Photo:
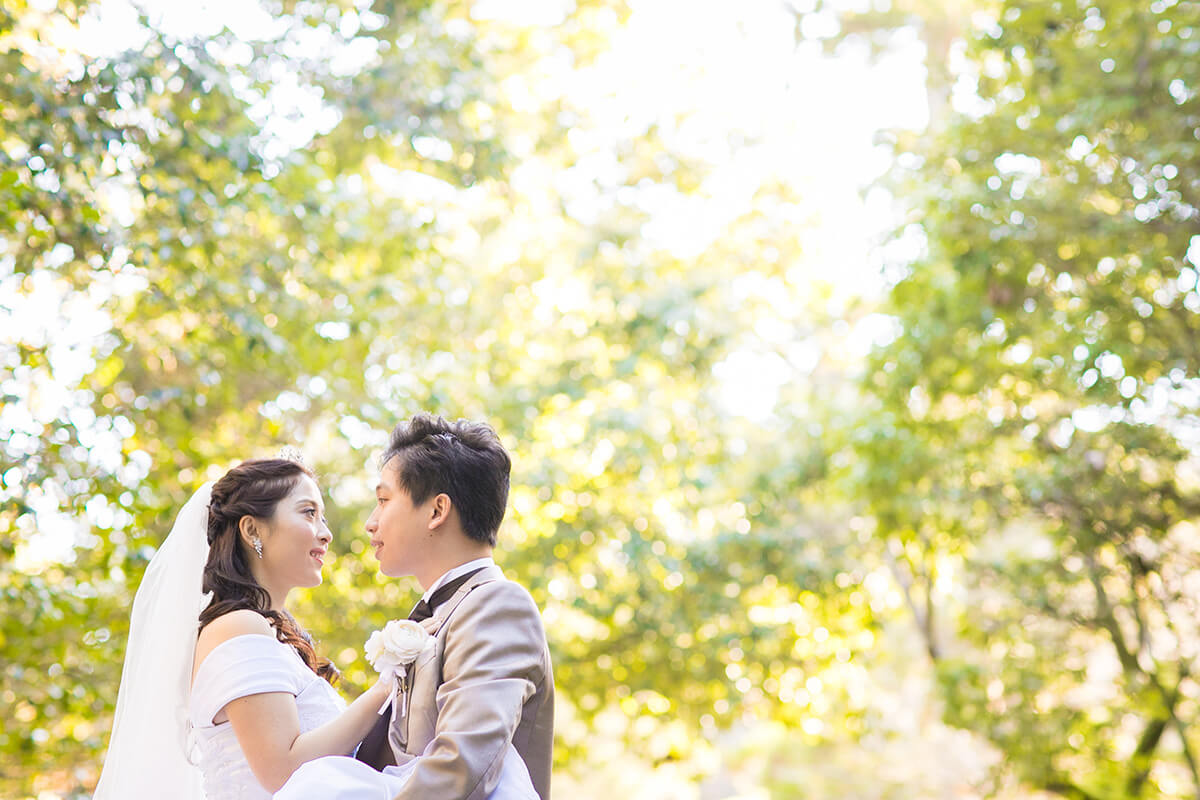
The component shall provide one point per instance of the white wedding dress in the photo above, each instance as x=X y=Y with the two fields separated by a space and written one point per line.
x=238 y=667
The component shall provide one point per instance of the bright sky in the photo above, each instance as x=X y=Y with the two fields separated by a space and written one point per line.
x=809 y=120
x=723 y=68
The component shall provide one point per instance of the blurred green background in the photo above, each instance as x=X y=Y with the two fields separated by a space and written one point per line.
x=849 y=354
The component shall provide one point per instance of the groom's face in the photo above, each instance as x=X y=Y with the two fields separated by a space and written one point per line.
x=398 y=529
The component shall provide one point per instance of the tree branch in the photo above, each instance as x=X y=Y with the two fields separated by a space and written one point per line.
x=924 y=619
x=1069 y=790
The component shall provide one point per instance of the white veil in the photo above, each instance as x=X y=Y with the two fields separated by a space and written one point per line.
x=148 y=752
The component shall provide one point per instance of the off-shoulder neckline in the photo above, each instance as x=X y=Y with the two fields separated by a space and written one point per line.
x=207 y=658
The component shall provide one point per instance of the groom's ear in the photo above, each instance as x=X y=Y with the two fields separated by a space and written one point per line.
x=440 y=510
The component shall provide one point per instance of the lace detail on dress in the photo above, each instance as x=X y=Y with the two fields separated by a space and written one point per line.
x=241 y=666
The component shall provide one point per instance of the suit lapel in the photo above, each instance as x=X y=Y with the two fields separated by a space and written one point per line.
x=427 y=660
x=443 y=611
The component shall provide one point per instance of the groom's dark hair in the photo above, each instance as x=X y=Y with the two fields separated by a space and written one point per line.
x=462 y=459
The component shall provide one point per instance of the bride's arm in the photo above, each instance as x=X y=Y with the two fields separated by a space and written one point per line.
x=268 y=730
x=267 y=725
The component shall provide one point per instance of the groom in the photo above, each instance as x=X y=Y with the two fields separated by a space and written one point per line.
x=488 y=679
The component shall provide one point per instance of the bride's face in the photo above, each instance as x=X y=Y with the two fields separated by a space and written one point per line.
x=297 y=539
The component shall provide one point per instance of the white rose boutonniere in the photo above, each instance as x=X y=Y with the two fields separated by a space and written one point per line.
x=392 y=650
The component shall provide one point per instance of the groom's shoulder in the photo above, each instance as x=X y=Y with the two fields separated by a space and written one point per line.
x=496 y=631
x=501 y=597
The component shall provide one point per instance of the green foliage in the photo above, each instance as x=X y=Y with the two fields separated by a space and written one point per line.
x=1032 y=422
x=261 y=296
x=1012 y=471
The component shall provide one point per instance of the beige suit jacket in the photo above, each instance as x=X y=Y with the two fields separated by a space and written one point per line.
x=486 y=681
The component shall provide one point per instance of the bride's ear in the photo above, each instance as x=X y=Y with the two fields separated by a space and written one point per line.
x=248 y=530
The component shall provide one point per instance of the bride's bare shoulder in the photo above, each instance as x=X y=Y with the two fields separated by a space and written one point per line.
x=236 y=623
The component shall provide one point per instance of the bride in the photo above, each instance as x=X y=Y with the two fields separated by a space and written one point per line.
x=235 y=711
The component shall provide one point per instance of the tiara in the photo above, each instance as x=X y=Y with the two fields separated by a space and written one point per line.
x=289 y=453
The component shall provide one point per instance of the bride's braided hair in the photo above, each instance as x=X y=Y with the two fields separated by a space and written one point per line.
x=252 y=488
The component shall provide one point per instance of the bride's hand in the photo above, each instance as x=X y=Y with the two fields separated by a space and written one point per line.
x=382 y=687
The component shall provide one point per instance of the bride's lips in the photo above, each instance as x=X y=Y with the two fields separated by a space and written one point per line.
x=319 y=555
x=378 y=546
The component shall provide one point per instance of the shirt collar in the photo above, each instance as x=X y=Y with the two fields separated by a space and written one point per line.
x=454 y=572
